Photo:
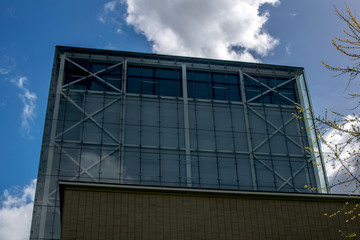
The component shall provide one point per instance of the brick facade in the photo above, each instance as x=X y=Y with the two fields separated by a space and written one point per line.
x=128 y=214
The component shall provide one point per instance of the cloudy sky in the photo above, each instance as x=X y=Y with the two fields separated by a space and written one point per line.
x=292 y=32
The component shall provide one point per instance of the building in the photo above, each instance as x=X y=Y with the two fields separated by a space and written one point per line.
x=176 y=137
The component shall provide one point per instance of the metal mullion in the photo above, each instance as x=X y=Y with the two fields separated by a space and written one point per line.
x=140 y=134
x=101 y=137
x=234 y=146
x=269 y=141
x=287 y=146
x=186 y=127
x=159 y=138
x=178 y=137
x=197 y=140
x=123 y=121
x=216 y=154
x=248 y=130
x=81 y=169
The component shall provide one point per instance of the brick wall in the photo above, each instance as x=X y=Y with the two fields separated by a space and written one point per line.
x=127 y=214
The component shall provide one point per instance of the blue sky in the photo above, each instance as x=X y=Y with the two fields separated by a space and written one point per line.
x=292 y=32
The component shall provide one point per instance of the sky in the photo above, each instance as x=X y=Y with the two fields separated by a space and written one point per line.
x=291 y=32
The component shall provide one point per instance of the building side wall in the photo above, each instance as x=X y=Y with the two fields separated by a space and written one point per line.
x=120 y=214
x=153 y=120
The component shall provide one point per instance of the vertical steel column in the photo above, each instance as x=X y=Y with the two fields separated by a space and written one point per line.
x=49 y=159
x=248 y=133
x=122 y=119
x=186 y=127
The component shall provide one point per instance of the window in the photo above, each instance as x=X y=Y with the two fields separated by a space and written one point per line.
x=107 y=76
x=213 y=85
x=154 y=81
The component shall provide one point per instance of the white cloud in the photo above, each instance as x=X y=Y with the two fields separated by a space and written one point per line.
x=112 y=14
x=16 y=208
x=293 y=14
x=348 y=149
x=29 y=103
x=228 y=29
x=287 y=48
x=7 y=64
x=110 y=6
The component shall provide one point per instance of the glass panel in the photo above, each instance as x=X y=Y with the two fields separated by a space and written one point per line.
x=241 y=143
x=224 y=141
x=299 y=169
x=150 y=169
x=220 y=92
x=132 y=134
x=168 y=73
x=195 y=174
x=244 y=172
x=219 y=78
x=199 y=90
x=170 y=168
x=133 y=85
x=265 y=175
x=206 y=139
x=282 y=168
x=222 y=118
x=72 y=131
x=90 y=164
x=112 y=113
x=278 y=144
x=257 y=123
x=149 y=87
x=150 y=113
x=149 y=136
x=227 y=171
x=154 y=81
x=109 y=166
x=252 y=92
x=168 y=114
x=140 y=71
x=238 y=120
x=72 y=113
x=69 y=162
x=199 y=76
x=204 y=116
x=170 y=88
x=131 y=167
x=91 y=132
x=208 y=170
x=169 y=137
x=234 y=92
x=114 y=130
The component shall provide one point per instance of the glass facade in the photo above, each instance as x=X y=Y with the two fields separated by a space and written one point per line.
x=142 y=119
